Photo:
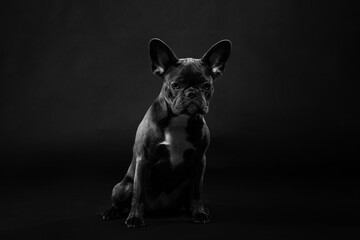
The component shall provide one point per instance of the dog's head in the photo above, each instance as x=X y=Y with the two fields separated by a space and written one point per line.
x=188 y=82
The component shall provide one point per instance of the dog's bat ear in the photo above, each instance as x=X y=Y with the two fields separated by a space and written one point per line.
x=161 y=56
x=216 y=57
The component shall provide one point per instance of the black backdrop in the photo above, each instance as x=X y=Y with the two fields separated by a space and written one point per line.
x=75 y=76
x=75 y=81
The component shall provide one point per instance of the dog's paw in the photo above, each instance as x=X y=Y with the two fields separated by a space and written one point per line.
x=135 y=222
x=111 y=214
x=201 y=217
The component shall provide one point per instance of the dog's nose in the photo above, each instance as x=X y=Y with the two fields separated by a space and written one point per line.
x=191 y=95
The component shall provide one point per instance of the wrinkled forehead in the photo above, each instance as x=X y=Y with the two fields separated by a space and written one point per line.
x=189 y=69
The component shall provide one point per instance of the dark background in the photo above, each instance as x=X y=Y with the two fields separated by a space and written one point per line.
x=76 y=81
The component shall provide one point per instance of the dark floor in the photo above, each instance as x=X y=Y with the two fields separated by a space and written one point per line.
x=64 y=202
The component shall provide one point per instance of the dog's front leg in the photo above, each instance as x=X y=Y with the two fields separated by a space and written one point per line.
x=135 y=218
x=199 y=213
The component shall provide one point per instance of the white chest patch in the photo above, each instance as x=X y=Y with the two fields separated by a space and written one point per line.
x=175 y=139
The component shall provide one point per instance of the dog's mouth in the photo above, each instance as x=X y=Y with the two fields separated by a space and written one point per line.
x=190 y=107
x=194 y=108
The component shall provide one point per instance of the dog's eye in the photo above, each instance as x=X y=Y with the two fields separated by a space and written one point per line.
x=206 y=86
x=175 y=85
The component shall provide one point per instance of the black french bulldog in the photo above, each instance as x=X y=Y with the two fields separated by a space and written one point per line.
x=168 y=164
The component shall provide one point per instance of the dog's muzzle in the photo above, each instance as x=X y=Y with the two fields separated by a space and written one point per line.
x=191 y=102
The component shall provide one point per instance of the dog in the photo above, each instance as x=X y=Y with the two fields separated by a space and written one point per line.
x=168 y=163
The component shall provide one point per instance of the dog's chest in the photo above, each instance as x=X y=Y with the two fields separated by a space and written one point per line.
x=176 y=139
